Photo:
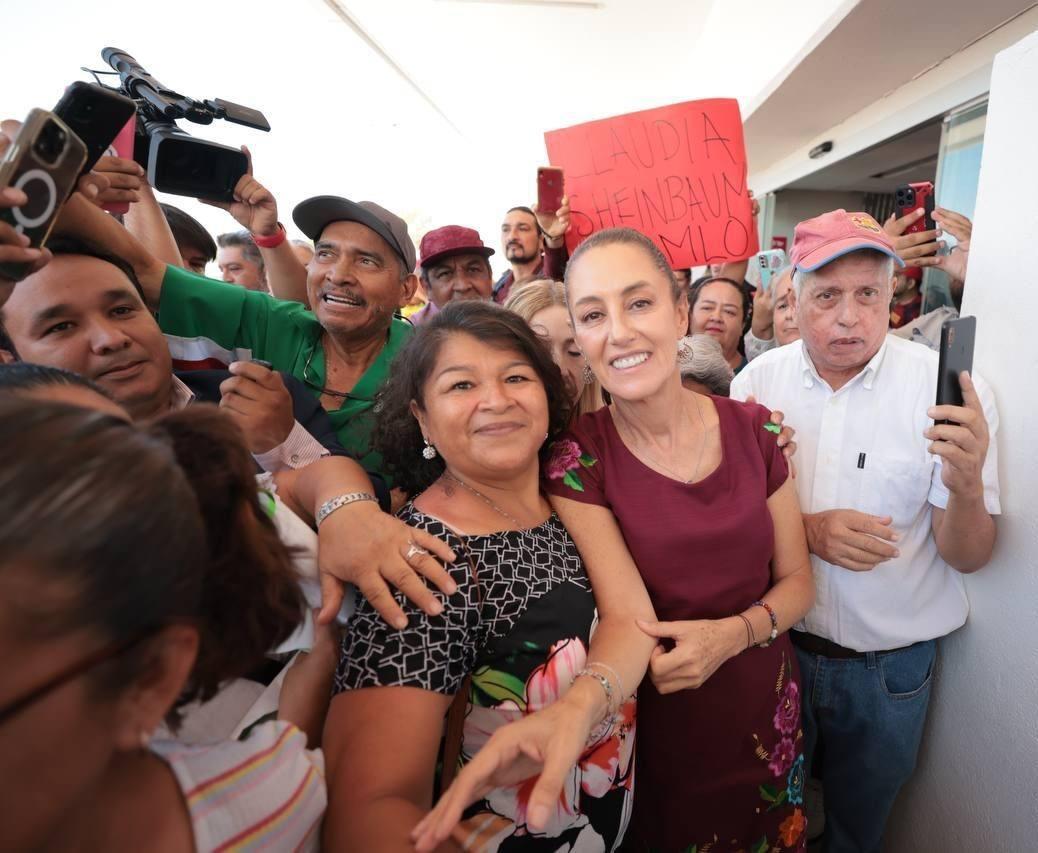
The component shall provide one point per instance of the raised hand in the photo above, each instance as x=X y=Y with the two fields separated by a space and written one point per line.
x=254 y=206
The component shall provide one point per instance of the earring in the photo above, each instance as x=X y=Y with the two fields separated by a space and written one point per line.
x=587 y=374
x=145 y=739
x=428 y=452
x=684 y=351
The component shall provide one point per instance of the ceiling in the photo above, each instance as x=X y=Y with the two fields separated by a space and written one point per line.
x=434 y=108
x=872 y=48
x=909 y=157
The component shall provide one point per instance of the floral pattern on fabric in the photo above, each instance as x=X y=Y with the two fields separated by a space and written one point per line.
x=786 y=762
x=603 y=770
x=565 y=462
x=522 y=632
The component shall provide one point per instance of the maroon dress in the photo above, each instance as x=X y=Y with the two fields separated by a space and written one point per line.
x=718 y=768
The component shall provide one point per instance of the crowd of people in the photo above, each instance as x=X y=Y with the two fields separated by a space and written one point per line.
x=360 y=549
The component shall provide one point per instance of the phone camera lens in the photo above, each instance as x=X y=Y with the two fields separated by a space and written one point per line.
x=50 y=143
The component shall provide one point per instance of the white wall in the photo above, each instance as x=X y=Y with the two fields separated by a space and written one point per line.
x=975 y=788
x=950 y=83
x=793 y=206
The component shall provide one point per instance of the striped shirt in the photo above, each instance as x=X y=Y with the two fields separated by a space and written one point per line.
x=266 y=792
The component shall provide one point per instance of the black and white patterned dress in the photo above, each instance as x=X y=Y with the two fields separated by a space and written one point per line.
x=521 y=628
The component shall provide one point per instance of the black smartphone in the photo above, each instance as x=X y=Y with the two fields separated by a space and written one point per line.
x=956 y=355
x=44 y=162
x=96 y=115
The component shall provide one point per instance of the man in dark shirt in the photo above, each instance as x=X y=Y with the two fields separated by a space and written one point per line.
x=534 y=244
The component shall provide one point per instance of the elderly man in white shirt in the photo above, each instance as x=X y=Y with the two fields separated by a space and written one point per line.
x=896 y=510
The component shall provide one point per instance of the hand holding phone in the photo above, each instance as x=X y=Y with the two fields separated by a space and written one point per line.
x=960 y=434
x=909 y=197
x=956 y=356
x=769 y=263
x=549 y=189
x=43 y=161
x=256 y=397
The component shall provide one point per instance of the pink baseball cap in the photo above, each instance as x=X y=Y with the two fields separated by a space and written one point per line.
x=818 y=241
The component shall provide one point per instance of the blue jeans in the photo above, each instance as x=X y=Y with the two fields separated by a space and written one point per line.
x=867 y=716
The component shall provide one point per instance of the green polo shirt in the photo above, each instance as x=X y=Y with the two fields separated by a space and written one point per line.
x=207 y=323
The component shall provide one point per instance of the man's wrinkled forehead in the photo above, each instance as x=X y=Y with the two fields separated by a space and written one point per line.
x=344 y=235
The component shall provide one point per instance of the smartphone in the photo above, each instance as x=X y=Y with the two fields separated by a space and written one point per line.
x=770 y=262
x=956 y=355
x=909 y=197
x=97 y=116
x=123 y=145
x=44 y=161
x=549 y=189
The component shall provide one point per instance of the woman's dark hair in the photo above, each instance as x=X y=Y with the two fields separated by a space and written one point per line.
x=696 y=289
x=627 y=237
x=397 y=435
x=23 y=376
x=101 y=529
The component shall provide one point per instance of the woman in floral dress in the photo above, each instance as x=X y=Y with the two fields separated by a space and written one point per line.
x=514 y=641
x=702 y=496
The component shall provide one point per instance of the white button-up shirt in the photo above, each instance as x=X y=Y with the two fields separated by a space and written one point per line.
x=298 y=449
x=862 y=447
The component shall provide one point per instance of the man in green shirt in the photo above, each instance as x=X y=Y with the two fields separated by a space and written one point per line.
x=361 y=273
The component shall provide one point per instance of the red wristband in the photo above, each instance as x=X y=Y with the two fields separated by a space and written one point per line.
x=273 y=241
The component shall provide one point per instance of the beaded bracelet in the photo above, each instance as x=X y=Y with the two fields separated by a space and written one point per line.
x=774 y=623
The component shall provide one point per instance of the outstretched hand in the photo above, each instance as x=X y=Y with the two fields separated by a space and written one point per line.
x=546 y=744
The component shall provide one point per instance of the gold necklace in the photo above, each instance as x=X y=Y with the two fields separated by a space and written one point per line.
x=699 y=458
x=486 y=500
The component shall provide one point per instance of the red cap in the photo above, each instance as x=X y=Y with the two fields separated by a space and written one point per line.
x=451 y=240
x=818 y=241
x=914 y=273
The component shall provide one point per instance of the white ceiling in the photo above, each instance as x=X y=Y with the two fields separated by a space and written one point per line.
x=434 y=108
x=912 y=156
x=874 y=47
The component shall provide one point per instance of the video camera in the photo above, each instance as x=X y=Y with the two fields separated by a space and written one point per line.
x=176 y=162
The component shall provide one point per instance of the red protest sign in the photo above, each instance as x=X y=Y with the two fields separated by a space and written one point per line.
x=677 y=174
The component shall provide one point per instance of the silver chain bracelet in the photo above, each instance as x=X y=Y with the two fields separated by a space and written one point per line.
x=329 y=506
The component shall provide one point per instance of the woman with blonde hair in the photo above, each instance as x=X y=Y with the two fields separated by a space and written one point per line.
x=541 y=302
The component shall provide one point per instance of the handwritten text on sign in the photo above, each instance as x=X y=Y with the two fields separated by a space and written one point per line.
x=677 y=174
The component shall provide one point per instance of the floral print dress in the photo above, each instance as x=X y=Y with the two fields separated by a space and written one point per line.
x=520 y=625
x=720 y=767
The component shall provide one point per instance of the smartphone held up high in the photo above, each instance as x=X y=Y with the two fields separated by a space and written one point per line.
x=769 y=263
x=909 y=197
x=44 y=161
x=549 y=189
x=97 y=116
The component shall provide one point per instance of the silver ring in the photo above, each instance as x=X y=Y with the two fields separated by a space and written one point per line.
x=413 y=550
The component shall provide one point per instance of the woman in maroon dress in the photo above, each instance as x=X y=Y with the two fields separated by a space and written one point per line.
x=702 y=498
